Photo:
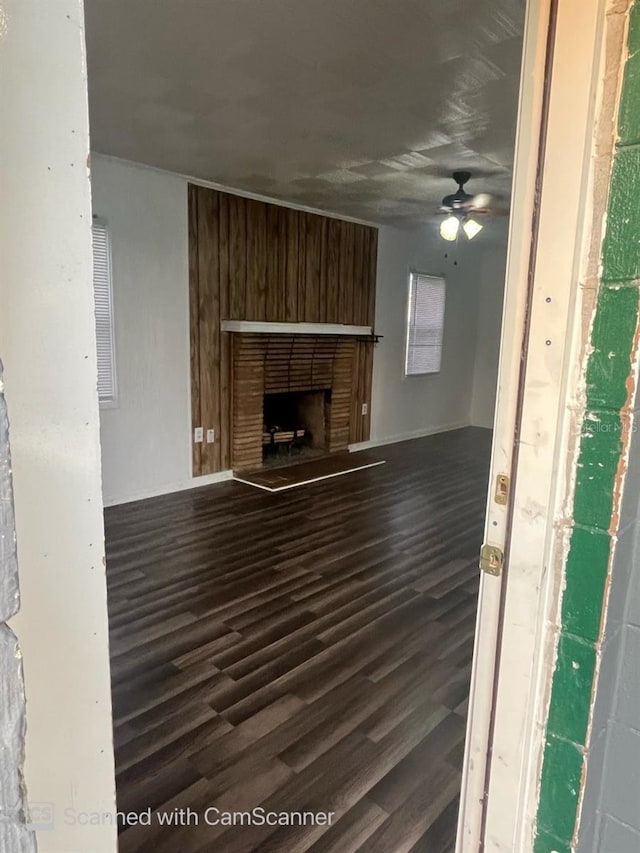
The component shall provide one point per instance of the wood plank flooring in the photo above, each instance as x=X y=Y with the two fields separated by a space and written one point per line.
x=302 y=651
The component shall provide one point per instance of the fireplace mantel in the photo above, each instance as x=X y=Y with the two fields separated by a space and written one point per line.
x=263 y=328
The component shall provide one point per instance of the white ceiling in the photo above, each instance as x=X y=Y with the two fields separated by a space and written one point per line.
x=360 y=107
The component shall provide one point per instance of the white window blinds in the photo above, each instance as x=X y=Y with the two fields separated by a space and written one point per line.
x=103 y=296
x=425 y=324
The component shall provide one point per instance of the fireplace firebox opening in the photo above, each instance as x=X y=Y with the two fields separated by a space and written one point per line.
x=295 y=424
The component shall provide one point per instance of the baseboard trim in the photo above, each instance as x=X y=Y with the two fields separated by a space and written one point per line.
x=194 y=483
x=407 y=436
x=222 y=476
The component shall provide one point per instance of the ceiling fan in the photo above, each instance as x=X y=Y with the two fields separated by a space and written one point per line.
x=460 y=206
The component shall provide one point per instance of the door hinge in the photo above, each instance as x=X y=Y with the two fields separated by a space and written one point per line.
x=491 y=559
x=501 y=494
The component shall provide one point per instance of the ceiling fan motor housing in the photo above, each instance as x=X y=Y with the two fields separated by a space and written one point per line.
x=461 y=178
x=457 y=199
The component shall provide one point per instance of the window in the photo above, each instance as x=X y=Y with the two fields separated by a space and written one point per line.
x=103 y=295
x=425 y=324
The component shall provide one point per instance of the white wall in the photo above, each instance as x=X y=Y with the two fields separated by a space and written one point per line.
x=489 y=323
x=47 y=343
x=146 y=439
x=461 y=394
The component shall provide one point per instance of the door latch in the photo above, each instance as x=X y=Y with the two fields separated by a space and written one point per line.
x=501 y=494
x=491 y=559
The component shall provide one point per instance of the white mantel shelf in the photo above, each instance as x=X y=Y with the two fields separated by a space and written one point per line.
x=259 y=328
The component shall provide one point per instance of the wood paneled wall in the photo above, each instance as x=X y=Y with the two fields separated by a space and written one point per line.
x=249 y=260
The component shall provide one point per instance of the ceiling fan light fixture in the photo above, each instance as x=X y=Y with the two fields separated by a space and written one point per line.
x=471 y=228
x=449 y=228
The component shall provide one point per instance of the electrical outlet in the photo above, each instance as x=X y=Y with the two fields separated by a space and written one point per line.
x=198 y=435
x=211 y=436
x=365 y=409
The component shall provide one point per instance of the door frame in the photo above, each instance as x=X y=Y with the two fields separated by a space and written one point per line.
x=565 y=129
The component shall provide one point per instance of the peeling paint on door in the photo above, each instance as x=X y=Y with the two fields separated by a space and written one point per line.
x=611 y=371
x=15 y=837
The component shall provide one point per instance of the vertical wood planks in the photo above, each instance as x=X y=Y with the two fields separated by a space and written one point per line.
x=324 y=268
x=310 y=282
x=347 y=249
x=272 y=270
x=358 y=307
x=249 y=260
x=344 y=366
x=334 y=231
x=293 y=266
x=301 y=226
x=194 y=324
x=281 y=254
x=368 y=382
x=247 y=398
x=209 y=323
x=355 y=420
x=237 y=251
x=372 y=269
x=224 y=429
x=360 y=425
x=256 y=304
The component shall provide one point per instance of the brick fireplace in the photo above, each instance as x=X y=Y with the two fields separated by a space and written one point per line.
x=292 y=382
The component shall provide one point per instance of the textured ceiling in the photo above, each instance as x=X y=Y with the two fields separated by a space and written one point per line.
x=360 y=107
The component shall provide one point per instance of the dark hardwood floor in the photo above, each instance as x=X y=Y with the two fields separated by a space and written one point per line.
x=302 y=651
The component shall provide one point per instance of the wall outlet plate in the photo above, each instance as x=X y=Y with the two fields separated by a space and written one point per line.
x=211 y=436
x=365 y=408
x=198 y=435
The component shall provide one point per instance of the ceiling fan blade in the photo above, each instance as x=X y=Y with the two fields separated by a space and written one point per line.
x=482 y=200
x=476 y=202
x=492 y=211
